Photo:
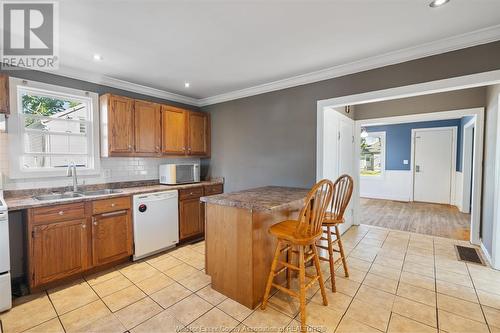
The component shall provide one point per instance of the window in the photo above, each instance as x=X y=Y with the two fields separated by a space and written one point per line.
x=53 y=127
x=372 y=159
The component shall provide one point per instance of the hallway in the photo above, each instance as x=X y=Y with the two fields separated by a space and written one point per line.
x=423 y=218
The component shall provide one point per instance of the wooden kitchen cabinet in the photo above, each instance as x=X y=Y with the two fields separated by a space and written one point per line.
x=117 y=125
x=173 y=130
x=198 y=133
x=191 y=221
x=147 y=127
x=111 y=237
x=58 y=250
x=4 y=94
x=69 y=239
x=132 y=127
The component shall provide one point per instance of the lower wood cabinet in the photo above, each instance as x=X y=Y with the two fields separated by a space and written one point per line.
x=65 y=240
x=192 y=211
x=111 y=237
x=59 y=250
x=190 y=219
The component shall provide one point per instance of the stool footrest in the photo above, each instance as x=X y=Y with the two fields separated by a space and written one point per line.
x=287 y=265
x=285 y=290
x=310 y=283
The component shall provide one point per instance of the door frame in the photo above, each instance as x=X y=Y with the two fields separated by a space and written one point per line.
x=454 y=130
x=467 y=151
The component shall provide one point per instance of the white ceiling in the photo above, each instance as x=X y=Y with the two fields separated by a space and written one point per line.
x=224 y=46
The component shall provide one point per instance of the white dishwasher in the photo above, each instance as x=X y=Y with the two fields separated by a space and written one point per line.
x=156 y=222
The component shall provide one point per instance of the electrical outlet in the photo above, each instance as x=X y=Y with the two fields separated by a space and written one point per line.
x=107 y=173
x=405 y=162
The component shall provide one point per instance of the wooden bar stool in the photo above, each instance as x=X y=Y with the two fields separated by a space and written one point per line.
x=342 y=192
x=302 y=233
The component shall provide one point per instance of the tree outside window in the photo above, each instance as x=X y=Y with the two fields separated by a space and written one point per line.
x=371 y=159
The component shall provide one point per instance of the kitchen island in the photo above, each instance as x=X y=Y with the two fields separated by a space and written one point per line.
x=239 y=248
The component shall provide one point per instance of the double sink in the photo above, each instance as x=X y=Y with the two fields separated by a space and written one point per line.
x=69 y=195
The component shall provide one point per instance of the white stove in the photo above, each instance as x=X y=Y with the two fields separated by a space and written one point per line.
x=5 y=288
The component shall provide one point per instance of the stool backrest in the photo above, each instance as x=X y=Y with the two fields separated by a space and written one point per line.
x=315 y=206
x=342 y=192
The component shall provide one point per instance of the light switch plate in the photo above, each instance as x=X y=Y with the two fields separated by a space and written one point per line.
x=405 y=162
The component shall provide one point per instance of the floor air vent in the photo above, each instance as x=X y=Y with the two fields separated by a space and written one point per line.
x=469 y=254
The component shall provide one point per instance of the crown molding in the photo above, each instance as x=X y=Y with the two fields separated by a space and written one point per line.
x=470 y=39
x=124 y=85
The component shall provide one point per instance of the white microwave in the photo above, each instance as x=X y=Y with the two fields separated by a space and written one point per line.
x=171 y=174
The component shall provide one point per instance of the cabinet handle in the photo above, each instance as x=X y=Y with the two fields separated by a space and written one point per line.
x=191 y=193
x=113 y=204
x=95 y=223
x=120 y=212
x=183 y=148
x=61 y=212
x=189 y=148
x=84 y=226
x=157 y=147
x=129 y=146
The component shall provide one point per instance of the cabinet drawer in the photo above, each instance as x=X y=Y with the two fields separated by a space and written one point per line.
x=188 y=193
x=214 y=189
x=58 y=213
x=109 y=205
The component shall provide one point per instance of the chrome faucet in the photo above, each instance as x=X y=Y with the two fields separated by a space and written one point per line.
x=71 y=172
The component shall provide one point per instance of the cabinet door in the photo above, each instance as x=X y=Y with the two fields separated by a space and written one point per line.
x=147 y=127
x=190 y=218
x=121 y=125
x=59 y=250
x=198 y=133
x=111 y=237
x=4 y=94
x=173 y=128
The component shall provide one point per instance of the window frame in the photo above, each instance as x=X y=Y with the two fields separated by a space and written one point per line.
x=380 y=134
x=16 y=130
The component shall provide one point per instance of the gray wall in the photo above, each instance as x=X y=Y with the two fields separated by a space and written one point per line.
x=490 y=140
x=271 y=138
x=447 y=101
x=86 y=86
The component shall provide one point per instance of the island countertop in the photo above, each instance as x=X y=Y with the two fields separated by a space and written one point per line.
x=266 y=198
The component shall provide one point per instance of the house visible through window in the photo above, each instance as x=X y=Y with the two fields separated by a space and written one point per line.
x=372 y=154
x=54 y=128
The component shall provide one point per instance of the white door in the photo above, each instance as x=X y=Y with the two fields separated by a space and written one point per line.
x=433 y=165
x=346 y=161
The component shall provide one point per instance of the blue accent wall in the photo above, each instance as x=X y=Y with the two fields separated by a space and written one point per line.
x=398 y=140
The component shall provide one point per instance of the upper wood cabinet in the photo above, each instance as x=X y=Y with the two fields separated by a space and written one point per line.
x=173 y=130
x=117 y=125
x=139 y=128
x=4 y=94
x=198 y=133
x=147 y=127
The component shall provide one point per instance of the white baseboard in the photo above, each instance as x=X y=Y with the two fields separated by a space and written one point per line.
x=384 y=197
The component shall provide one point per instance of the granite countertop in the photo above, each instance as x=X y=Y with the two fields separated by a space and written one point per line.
x=24 y=202
x=263 y=198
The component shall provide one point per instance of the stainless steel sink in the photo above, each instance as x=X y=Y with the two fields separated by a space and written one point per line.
x=58 y=196
x=100 y=192
x=69 y=195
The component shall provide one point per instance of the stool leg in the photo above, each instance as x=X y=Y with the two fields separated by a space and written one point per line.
x=302 y=284
x=331 y=259
x=318 y=271
x=271 y=275
x=288 y=270
x=341 y=249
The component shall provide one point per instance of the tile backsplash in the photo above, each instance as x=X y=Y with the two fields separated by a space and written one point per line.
x=114 y=169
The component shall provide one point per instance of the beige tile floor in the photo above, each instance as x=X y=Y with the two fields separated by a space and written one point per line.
x=399 y=282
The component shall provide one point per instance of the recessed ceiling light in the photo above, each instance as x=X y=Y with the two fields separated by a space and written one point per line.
x=438 y=3
x=97 y=57
x=186 y=84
